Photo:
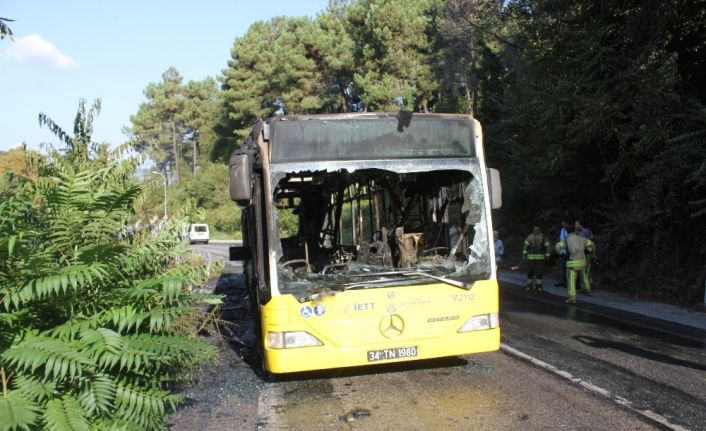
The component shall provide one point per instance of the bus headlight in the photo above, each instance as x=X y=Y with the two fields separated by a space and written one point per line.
x=481 y=322
x=287 y=340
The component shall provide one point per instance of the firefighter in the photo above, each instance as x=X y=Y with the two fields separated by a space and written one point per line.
x=585 y=232
x=535 y=251
x=577 y=248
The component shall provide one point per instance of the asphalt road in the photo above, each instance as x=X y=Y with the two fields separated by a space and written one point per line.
x=215 y=249
x=603 y=374
x=656 y=371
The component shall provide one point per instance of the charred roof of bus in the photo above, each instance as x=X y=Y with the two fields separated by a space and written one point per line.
x=363 y=136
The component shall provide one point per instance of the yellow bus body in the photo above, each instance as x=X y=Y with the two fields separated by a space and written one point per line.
x=351 y=323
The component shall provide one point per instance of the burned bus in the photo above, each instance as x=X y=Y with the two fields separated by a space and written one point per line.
x=367 y=238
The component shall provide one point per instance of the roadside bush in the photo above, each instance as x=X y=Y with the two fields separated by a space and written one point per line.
x=90 y=334
x=225 y=218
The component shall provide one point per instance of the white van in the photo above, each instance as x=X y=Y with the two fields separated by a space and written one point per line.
x=198 y=233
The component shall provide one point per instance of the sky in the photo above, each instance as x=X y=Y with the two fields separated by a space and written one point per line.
x=71 y=49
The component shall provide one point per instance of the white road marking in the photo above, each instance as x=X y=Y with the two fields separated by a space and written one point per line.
x=270 y=401
x=649 y=414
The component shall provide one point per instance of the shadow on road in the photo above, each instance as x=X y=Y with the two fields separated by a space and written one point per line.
x=637 y=351
x=236 y=318
x=336 y=373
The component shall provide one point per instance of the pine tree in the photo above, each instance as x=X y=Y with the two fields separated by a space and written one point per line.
x=392 y=53
x=199 y=115
x=249 y=92
x=156 y=128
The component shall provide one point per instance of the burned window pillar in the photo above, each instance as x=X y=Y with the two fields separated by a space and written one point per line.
x=473 y=207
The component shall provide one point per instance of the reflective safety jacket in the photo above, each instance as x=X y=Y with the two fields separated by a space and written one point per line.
x=536 y=247
x=577 y=246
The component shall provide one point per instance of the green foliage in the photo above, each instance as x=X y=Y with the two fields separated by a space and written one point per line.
x=330 y=47
x=18 y=411
x=176 y=123
x=279 y=67
x=5 y=30
x=91 y=332
x=248 y=92
x=155 y=128
x=65 y=414
x=225 y=218
x=13 y=161
x=205 y=192
x=288 y=222
x=392 y=53
x=593 y=101
x=198 y=116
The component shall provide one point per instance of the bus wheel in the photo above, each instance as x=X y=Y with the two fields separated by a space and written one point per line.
x=264 y=373
x=267 y=376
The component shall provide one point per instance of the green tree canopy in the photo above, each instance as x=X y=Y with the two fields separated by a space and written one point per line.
x=392 y=53
x=199 y=114
x=156 y=128
x=14 y=161
x=594 y=98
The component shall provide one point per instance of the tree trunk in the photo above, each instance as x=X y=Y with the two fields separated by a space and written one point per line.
x=469 y=98
x=175 y=149
x=473 y=77
x=344 y=98
x=195 y=141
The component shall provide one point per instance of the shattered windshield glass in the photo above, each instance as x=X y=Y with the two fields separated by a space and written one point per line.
x=344 y=228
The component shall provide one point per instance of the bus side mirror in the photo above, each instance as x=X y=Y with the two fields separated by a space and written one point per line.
x=496 y=189
x=239 y=253
x=240 y=179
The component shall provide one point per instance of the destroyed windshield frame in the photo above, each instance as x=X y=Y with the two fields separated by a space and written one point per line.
x=477 y=263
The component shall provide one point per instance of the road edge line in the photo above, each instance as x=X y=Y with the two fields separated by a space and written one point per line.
x=269 y=398
x=622 y=402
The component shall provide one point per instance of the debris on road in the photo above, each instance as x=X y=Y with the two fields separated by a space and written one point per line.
x=355 y=415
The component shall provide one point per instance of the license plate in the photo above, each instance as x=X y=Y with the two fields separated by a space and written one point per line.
x=389 y=354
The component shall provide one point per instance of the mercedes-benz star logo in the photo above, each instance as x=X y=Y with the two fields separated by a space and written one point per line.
x=391 y=326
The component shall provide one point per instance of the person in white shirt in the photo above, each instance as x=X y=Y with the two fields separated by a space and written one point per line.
x=499 y=248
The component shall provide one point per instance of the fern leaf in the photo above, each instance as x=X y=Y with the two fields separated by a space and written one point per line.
x=11 y=245
x=102 y=340
x=65 y=415
x=161 y=318
x=169 y=347
x=71 y=329
x=171 y=288
x=100 y=253
x=207 y=298
x=17 y=412
x=138 y=404
x=112 y=424
x=57 y=357
x=126 y=318
x=74 y=276
x=32 y=388
x=98 y=395
x=135 y=359
x=103 y=345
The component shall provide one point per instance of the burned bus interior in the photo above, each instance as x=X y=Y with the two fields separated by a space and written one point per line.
x=337 y=226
